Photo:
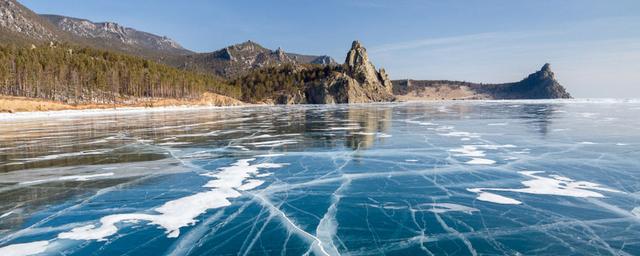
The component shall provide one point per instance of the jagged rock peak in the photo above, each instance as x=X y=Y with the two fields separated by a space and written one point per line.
x=357 y=55
x=360 y=68
x=247 y=46
x=281 y=55
x=541 y=85
x=544 y=73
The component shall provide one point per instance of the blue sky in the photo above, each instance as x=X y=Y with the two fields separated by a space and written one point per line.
x=593 y=45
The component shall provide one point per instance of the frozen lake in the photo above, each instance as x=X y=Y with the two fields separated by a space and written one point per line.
x=441 y=178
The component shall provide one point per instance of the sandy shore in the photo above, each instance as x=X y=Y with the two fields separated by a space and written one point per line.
x=20 y=107
x=10 y=104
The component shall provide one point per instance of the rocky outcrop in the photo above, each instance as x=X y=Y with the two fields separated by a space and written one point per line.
x=357 y=82
x=539 y=85
x=20 y=21
x=239 y=59
x=114 y=34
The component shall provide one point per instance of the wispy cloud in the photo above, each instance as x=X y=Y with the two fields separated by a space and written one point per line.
x=461 y=39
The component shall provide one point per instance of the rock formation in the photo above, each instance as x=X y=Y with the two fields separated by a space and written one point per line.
x=539 y=85
x=357 y=82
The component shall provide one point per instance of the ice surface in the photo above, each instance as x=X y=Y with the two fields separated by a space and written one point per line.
x=24 y=249
x=182 y=212
x=440 y=178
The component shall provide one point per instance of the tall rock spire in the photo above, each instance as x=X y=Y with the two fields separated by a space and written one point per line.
x=362 y=70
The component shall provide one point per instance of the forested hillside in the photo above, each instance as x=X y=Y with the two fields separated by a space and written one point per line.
x=79 y=75
x=270 y=82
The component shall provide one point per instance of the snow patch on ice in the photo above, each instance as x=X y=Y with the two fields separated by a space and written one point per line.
x=173 y=143
x=67 y=178
x=460 y=134
x=447 y=207
x=420 y=123
x=64 y=155
x=273 y=143
x=493 y=198
x=25 y=249
x=346 y=128
x=182 y=212
x=480 y=161
x=468 y=150
x=6 y=214
x=270 y=155
x=251 y=184
x=85 y=177
x=539 y=185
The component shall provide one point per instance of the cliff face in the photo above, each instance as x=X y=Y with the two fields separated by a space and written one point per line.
x=539 y=85
x=357 y=82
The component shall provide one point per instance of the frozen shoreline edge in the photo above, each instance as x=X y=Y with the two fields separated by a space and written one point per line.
x=137 y=110
x=121 y=110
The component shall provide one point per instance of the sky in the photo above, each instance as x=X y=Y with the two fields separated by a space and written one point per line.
x=593 y=45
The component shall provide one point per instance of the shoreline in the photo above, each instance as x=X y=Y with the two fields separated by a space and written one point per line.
x=126 y=110
x=107 y=111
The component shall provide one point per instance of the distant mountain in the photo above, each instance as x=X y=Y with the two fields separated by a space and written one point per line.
x=539 y=85
x=239 y=59
x=111 y=34
x=18 y=24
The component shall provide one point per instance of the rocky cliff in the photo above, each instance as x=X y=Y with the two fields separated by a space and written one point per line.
x=540 y=85
x=356 y=81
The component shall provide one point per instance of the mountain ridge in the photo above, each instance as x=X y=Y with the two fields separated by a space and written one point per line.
x=238 y=59
x=109 y=30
